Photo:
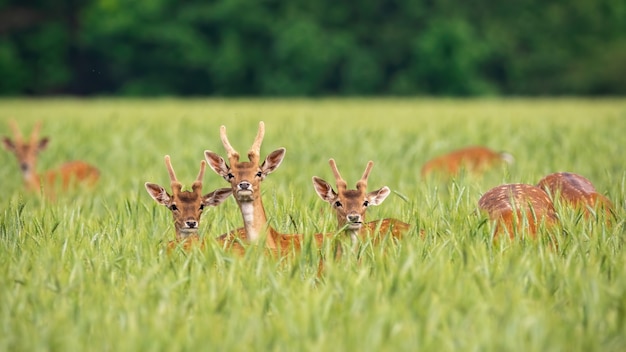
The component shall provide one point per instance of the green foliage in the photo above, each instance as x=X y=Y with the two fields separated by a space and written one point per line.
x=89 y=271
x=321 y=48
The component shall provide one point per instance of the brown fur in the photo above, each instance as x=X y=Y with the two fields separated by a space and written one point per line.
x=512 y=206
x=474 y=159
x=67 y=175
x=576 y=191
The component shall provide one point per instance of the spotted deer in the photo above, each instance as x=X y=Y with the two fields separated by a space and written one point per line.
x=350 y=206
x=68 y=174
x=245 y=178
x=186 y=206
x=575 y=190
x=475 y=159
x=518 y=207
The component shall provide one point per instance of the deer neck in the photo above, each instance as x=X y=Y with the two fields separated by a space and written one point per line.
x=185 y=235
x=255 y=221
x=32 y=180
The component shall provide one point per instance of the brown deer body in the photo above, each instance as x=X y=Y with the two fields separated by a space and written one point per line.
x=515 y=206
x=575 y=190
x=474 y=159
x=245 y=178
x=350 y=206
x=27 y=152
x=187 y=206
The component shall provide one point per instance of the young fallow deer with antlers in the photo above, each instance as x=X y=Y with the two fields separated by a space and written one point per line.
x=350 y=206
x=186 y=206
x=245 y=178
x=27 y=152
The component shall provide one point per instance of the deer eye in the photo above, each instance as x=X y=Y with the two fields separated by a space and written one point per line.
x=201 y=207
x=366 y=203
x=338 y=204
x=230 y=176
x=173 y=207
x=259 y=174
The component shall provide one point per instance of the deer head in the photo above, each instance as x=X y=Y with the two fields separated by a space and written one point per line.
x=245 y=178
x=186 y=206
x=26 y=152
x=350 y=204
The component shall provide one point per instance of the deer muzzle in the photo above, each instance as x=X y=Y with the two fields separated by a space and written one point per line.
x=244 y=191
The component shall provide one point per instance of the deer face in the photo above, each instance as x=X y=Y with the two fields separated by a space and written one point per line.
x=25 y=152
x=186 y=206
x=350 y=205
x=245 y=177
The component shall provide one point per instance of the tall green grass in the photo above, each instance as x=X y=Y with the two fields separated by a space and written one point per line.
x=89 y=272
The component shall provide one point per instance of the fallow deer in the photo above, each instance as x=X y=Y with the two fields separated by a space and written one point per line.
x=186 y=206
x=27 y=153
x=475 y=159
x=578 y=192
x=518 y=207
x=245 y=178
x=350 y=206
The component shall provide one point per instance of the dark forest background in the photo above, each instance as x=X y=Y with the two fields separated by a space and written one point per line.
x=312 y=47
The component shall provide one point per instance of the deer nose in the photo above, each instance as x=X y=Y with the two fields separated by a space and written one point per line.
x=244 y=185
x=24 y=166
x=192 y=224
x=354 y=218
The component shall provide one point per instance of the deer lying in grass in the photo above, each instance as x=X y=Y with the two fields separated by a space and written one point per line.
x=245 y=178
x=474 y=159
x=518 y=207
x=534 y=203
x=186 y=206
x=576 y=191
x=350 y=206
x=26 y=152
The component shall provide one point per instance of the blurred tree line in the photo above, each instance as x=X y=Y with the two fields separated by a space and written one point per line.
x=312 y=48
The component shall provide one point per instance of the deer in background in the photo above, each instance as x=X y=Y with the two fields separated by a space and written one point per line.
x=474 y=159
x=27 y=152
x=515 y=207
x=576 y=191
x=245 y=178
x=186 y=206
x=350 y=206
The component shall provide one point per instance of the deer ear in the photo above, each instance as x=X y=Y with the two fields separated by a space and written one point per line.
x=158 y=193
x=43 y=144
x=324 y=190
x=378 y=196
x=8 y=144
x=216 y=163
x=272 y=161
x=216 y=197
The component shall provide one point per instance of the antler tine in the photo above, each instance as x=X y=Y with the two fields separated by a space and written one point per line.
x=341 y=184
x=176 y=186
x=17 y=134
x=170 y=169
x=230 y=151
x=201 y=173
x=255 y=149
x=363 y=181
x=197 y=184
x=35 y=133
